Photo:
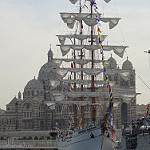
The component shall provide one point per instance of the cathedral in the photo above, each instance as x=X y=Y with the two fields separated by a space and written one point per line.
x=33 y=111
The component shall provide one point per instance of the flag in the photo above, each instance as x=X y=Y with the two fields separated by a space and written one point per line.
x=112 y=121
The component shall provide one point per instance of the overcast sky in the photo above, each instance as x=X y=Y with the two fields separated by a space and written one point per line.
x=28 y=27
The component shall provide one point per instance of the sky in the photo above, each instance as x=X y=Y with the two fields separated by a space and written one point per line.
x=28 y=27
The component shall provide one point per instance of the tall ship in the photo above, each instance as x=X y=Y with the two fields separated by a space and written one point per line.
x=88 y=86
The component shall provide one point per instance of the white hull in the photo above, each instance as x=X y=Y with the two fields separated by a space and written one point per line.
x=83 y=140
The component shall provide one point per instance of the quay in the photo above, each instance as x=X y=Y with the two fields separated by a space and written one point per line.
x=27 y=140
x=31 y=148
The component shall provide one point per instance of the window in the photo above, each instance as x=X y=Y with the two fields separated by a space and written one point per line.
x=27 y=106
x=37 y=93
x=32 y=93
x=28 y=93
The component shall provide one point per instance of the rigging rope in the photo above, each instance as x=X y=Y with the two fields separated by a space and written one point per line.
x=144 y=82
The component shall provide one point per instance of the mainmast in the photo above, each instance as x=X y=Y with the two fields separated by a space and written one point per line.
x=93 y=86
x=81 y=55
x=75 y=86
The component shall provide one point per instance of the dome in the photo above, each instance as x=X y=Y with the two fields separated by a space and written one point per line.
x=127 y=65
x=34 y=88
x=112 y=63
x=34 y=84
x=47 y=71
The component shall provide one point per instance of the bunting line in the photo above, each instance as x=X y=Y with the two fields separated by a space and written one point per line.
x=147 y=111
x=104 y=66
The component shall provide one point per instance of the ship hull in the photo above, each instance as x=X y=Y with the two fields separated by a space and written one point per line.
x=87 y=139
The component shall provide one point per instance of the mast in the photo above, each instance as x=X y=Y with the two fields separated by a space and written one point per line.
x=93 y=86
x=81 y=55
x=75 y=86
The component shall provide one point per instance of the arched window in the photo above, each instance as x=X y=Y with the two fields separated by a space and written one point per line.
x=28 y=93
x=124 y=114
x=37 y=93
x=32 y=93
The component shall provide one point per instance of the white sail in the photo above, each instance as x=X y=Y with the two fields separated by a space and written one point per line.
x=73 y=1
x=120 y=94
x=81 y=61
x=116 y=103
x=62 y=38
x=82 y=82
x=57 y=62
x=70 y=18
x=112 y=21
x=107 y=1
x=118 y=50
x=54 y=84
x=58 y=96
x=62 y=72
x=88 y=82
x=70 y=23
x=81 y=103
x=93 y=71
x=125 y=75
x=90 y=21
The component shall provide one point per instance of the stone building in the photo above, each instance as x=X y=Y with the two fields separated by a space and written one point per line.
x=125 y=112
x=31 y=113
x=34 y=112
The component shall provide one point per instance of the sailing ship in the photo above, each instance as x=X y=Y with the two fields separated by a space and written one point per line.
x=88 y=87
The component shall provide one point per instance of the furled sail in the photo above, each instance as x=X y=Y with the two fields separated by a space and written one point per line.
x=118 y=50
x=90 y=21
x=83 y=82
x=74 y=1
x=81 y=103
x=62 y=38
x=107 y=1
x=92 y=71
x=57 y=62
x=70 y=19
x=124 y=95
x=61 y=72
x=112 y=21
x=58 y=96
x=81 y=61
x=54 y=84
x=125 y=75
